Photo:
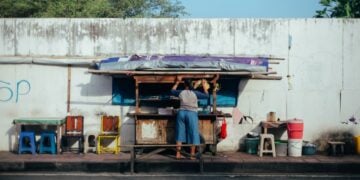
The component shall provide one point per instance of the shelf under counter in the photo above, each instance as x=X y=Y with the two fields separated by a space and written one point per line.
x=228 y=115
x=154 y=128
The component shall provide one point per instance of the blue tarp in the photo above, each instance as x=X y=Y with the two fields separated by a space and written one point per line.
x=124 y=93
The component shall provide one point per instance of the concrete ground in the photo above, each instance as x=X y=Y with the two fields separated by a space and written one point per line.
x=232 y=163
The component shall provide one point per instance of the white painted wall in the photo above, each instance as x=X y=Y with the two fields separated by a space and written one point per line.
x=321 y=81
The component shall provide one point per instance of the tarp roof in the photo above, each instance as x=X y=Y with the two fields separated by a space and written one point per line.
x=251 y=67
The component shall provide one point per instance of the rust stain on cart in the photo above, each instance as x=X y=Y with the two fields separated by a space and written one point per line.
x=162 y=131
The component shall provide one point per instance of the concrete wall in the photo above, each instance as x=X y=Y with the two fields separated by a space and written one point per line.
x=321 y=83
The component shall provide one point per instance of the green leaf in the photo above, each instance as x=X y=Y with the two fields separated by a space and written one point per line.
x=91 y=8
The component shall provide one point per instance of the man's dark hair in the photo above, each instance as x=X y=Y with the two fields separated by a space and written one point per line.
x=188 y=83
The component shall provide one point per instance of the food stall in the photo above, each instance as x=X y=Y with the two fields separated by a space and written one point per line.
x=149 y=79
x=159 y=127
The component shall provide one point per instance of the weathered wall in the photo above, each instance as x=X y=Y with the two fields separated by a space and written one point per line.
x=321 y=83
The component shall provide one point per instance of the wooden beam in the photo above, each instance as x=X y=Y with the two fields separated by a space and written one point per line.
x=167 y=78
x=156 y=151
x=214 y=81
x=132 y=73
x=137 y=98
x=275 y=58
x=263 y=77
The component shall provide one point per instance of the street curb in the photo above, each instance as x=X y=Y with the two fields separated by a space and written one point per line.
x=182 y=167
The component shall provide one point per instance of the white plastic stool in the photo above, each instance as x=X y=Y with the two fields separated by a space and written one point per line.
x=87 y=146
x=262 y=142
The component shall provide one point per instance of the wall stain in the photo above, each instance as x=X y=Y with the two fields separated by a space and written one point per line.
x=259 y=29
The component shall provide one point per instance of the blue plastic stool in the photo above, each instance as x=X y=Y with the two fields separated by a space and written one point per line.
x=47 y=142
x=27 y=147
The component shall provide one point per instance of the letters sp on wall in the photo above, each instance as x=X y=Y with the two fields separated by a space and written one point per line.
x=12 y=91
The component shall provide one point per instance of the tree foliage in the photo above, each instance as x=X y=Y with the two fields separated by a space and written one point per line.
x=339 y=8
x=91 y=8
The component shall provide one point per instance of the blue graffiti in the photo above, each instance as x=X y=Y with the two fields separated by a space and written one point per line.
x=18 y=86
x=9 y=93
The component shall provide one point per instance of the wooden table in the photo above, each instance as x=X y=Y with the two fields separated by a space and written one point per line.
x=269 y=124
x=58 y=122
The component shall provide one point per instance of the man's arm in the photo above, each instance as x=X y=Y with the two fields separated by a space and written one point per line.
x=173 y=89
x=204 y=95
x=205 y=86
x=175 y=86
x=201 y=95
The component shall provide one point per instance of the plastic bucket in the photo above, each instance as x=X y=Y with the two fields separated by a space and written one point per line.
x=295 y=147
x=295 y=129
x=308 y=150
x=357 y=144
x=251 y=145
x=281 y=148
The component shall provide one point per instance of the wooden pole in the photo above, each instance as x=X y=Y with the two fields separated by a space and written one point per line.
x=214 y=81
x=137 y=99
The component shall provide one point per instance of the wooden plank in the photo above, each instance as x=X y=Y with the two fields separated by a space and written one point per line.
x=336 y=142
x=173 y=115
x=206 y=130
x=132 y=160
x=170 y=130
x=201 y=161
x=275 y=58
x=155 y=79
x=137 y=101
x=214 y=81
x=184 y=73
x=166 y=79
x=263 y=77
x=156 y=151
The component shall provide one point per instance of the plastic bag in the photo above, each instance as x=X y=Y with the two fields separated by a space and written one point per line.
x=223 y=131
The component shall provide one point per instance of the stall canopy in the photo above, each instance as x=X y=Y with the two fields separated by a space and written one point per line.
x=233 y=68
x=187 y=62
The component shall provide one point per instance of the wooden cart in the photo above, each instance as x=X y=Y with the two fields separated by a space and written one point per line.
x=158 y=129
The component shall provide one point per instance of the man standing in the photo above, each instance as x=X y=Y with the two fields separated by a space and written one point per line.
x=187 y=129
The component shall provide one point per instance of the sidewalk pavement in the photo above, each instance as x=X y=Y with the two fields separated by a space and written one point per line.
x=231 y=162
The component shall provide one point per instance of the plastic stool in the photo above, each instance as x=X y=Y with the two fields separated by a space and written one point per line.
x=109 y=132
x=89 y=145
x=22 y=146
x=262 y=142
x=101 y=148
x=47 y=137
